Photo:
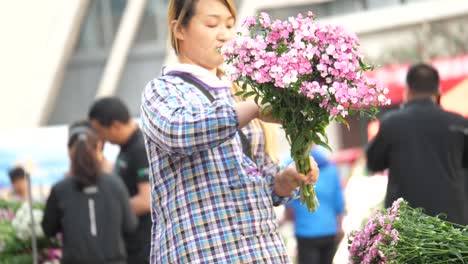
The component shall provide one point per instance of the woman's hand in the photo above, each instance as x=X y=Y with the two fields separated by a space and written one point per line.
x=290 y=179
x=248 y=110
x=267 y=116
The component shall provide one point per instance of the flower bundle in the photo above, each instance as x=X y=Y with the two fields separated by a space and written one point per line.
x=402 y=234
x=308 y=74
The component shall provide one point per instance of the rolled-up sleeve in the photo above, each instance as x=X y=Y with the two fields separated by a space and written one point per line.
x=265 y=164
x=270 y=170
x=177 y=126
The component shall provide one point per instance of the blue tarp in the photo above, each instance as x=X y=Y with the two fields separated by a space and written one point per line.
x=44 y=149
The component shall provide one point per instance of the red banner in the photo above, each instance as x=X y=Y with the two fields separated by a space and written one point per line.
x=451 y=70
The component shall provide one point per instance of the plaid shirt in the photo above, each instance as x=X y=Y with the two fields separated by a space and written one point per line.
x=210 y=202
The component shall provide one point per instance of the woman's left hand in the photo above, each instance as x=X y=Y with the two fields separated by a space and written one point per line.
x=266 y=117
x=290 y=179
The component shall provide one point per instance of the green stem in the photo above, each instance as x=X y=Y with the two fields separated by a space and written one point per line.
x=301 y=158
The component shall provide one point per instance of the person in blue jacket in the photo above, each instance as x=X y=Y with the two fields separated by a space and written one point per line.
x=319 y=233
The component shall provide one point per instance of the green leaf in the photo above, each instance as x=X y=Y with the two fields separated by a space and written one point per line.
x=239 y=93
x=257 y=97
x=364 y=66
x=265 y=100
x=298 y=143
x=343 y=121
x=248 y=94
x=319 y=141
x=266 y=109
x=282 y=48
x=325 y=138
x=244 y=86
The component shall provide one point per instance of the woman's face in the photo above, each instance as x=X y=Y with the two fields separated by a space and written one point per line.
x=211 y=26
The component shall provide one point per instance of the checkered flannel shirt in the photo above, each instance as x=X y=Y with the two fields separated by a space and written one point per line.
x=210 y=202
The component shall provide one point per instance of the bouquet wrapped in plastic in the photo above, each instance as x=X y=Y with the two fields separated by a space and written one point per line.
x=308 y=74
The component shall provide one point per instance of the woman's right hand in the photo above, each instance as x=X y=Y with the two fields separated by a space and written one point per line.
x=290 y=179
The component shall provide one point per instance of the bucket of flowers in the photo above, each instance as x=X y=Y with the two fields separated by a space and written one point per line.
x=402 y=234
x=16 y=230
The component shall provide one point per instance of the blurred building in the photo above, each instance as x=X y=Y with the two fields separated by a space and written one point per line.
x=57 y=56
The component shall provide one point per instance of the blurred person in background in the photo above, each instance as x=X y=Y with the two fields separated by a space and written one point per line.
x=89 y=207
x=319 y=233
x=19 y=184
x=111 y=118
x=106 y=165
x=425 y=148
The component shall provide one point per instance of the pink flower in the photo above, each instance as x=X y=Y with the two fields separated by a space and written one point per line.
x=331 y=49
x=259 y=63
x=248 y=22
x=264 y=19
x=6 y=214
x=324 y=58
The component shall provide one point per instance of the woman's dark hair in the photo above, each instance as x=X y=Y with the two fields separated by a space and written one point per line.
x=83 y=143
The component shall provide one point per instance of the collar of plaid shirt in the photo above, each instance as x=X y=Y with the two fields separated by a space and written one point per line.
x=212 y=81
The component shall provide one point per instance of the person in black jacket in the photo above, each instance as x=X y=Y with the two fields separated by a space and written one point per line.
x=111 y=119
x=425 y=148
x=90 y=208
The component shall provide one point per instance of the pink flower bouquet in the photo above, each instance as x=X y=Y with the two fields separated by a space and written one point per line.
x=402 y=234
x=308 y=74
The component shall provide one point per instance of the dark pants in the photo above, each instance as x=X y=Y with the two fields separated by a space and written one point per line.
x=319 y=250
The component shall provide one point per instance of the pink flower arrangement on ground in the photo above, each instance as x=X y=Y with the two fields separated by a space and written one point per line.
x=366 y=244
x=402 y=234
x=308 y=73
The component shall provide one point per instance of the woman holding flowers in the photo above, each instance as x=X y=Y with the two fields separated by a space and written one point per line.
x=211 y=202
